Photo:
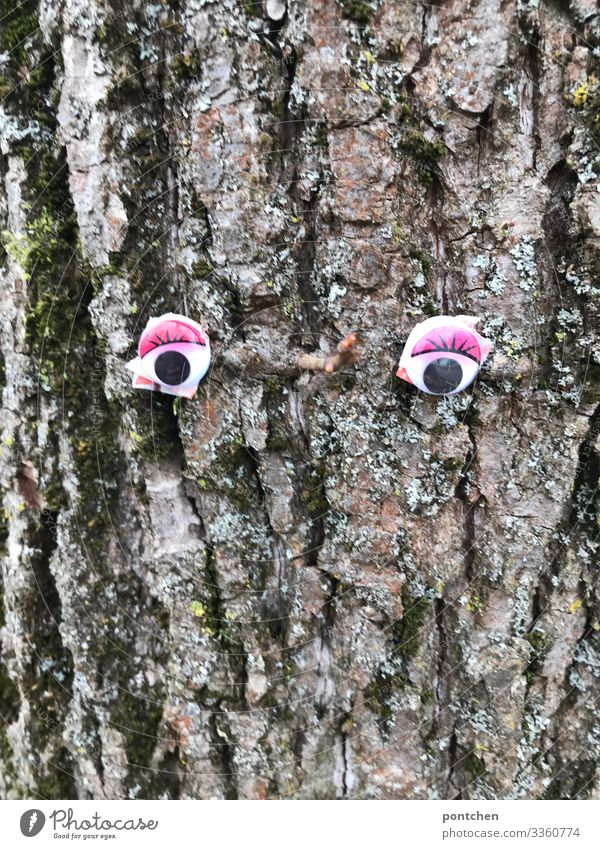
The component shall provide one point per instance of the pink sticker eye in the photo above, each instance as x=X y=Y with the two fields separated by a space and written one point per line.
x=174 y=356
x=442 y=355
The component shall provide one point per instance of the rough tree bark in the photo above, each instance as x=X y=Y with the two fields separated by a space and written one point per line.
x=299 y=584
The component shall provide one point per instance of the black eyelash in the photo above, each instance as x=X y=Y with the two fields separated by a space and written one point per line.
x=452 y=349
x=158 y=341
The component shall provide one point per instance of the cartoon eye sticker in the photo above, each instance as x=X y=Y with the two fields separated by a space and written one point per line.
x=443 y=355
x=173 y=356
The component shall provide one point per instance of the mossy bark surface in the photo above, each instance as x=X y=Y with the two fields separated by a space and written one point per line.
x=299 y=585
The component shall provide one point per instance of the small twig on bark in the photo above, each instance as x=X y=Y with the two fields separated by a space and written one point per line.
x=346 y=352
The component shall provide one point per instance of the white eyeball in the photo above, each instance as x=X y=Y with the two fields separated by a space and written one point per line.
x=443 y=355
x=174 y=356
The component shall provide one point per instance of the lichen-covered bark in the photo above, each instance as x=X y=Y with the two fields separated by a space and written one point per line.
x=298 y=584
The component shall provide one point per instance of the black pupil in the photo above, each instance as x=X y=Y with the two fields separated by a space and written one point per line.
x=442 y=376
x=172 y=368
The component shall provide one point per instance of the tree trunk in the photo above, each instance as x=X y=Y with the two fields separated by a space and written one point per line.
x=299 y=584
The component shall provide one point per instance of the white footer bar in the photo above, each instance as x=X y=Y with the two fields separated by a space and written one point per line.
x=302 y=824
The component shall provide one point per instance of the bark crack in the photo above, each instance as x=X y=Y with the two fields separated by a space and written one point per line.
x=453 y=792
x=345 y=724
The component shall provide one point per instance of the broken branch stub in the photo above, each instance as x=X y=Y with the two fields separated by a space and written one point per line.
x=347 y=352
